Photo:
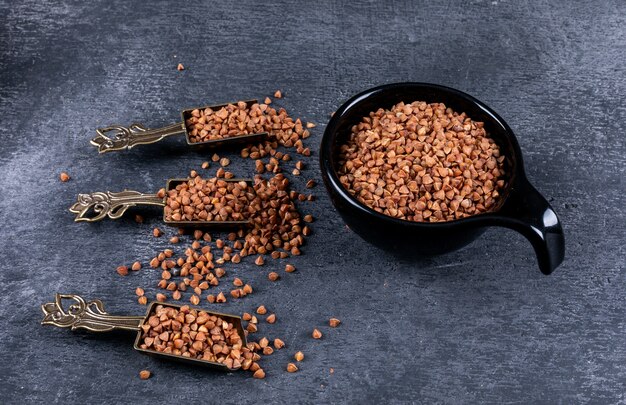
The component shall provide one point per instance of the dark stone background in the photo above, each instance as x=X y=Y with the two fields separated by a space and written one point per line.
x=479 y=325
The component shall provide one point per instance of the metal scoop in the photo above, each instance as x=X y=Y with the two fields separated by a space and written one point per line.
x=117 y=137
x=92 y=317
x=96 y=206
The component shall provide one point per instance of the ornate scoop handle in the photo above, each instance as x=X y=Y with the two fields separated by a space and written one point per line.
x=95 y=206
x=85 y=315
x=121 y=138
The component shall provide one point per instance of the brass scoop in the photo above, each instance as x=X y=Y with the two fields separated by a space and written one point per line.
x=92 y=317
x=121 y=138
x=96 y=206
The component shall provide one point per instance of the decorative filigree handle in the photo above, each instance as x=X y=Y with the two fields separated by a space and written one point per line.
x=95 y=206
x=85 y=315
x=136 y=134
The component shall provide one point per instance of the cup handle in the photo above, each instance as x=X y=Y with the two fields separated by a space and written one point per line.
x=527 y=212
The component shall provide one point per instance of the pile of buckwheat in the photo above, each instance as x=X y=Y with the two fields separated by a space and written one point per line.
x=196 y=264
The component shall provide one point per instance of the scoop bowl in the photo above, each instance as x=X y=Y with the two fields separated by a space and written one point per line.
x=521 y=207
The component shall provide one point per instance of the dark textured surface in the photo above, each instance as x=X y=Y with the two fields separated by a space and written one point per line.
x=478 y=325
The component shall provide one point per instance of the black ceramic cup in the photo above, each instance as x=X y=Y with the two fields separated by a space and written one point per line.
x=521 y=206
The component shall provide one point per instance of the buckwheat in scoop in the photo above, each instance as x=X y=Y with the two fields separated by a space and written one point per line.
x=211 y=199
x=193 y=333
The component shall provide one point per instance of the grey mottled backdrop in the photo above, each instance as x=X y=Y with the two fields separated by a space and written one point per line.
x=479 y=325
